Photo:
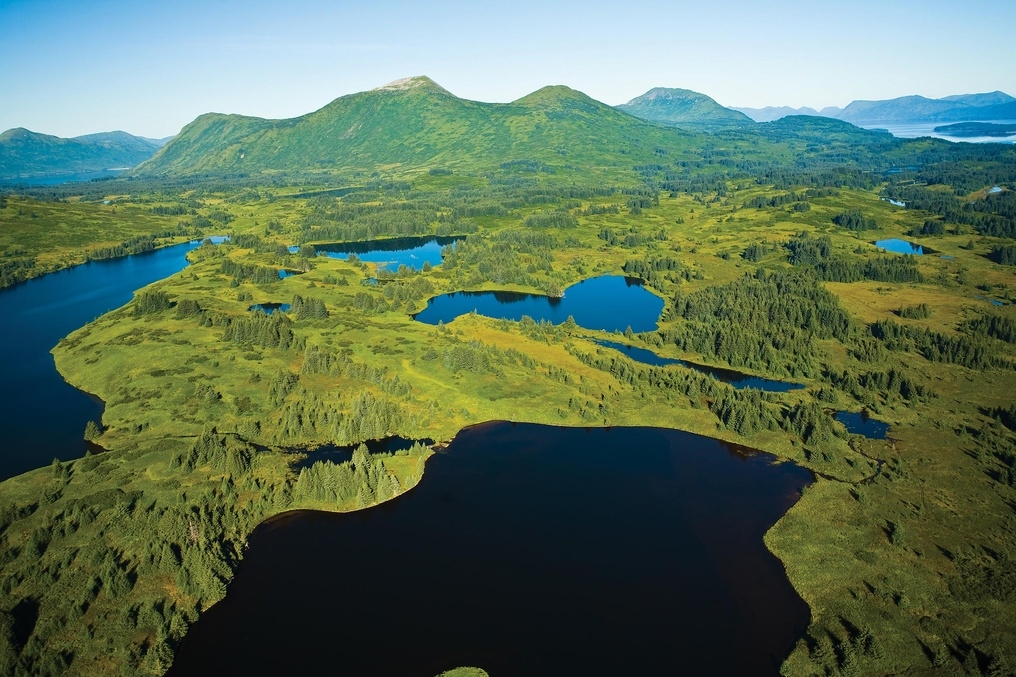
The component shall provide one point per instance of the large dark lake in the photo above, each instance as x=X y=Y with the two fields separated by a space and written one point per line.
x=525 y=550
x=47 y=416
x=608 y=302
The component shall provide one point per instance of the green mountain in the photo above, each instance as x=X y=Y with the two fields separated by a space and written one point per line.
x=26 y=154
x=683 y=107
x=415 y=123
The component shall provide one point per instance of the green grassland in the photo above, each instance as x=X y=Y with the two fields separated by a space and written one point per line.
x=902 y=548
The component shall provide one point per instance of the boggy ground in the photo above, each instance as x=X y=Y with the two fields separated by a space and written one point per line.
x=904 y=564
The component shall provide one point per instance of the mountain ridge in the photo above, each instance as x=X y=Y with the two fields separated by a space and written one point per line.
x=413 y=121
x=25 y=154
x=676 y=106
x=910 y=109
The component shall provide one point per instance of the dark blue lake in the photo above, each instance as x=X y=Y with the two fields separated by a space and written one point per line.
x=391 y=253
x=48 y=416
x=860 y=423
x=269 y=308
x=734 y=378
x=898 y=246
x=608 y=303
x=525 y=550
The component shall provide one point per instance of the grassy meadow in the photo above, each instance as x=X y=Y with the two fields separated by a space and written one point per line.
x=902 y=548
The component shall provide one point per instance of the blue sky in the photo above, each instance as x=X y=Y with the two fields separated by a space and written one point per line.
x=70 y=67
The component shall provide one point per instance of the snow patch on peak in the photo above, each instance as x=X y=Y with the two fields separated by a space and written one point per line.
x=405 y=83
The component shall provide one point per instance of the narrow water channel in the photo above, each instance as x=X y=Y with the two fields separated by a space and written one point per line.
x=49 y=415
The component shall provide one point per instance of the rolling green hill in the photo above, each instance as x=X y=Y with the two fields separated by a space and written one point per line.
x=26 y=154
x=415 y=123
x=683 y=107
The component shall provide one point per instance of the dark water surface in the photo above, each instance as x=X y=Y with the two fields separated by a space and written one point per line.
x=46 y=416
x=341 y=454
x=269 y=308
x=734 y=378
x=392 y=252
x=860 y=423
x=525 y=550
x=608 y=302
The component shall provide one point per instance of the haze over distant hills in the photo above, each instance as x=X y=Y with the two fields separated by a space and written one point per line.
x=25 y=154
x=905 y=110
x=416 y=122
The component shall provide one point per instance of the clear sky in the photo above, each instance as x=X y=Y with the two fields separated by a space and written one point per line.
x=70 y=67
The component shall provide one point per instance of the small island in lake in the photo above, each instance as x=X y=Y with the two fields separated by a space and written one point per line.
x=970 y=129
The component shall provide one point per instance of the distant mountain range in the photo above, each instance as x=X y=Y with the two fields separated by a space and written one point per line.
x=416 y=123
x=905 y=110
x=25 y=154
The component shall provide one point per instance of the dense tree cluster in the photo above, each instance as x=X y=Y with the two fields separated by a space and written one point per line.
x=766 y=321
x=762 y=201
x=971 y=351
x=630 y=238
x=509 y=256
x=889 y=386
x=15 y=269
x=263 y=330
x=135 y=245
x=817 y=253
x=308 y=308
x=249 y=272
x=756 y=251
x=995 y=325
x=856 y=220
x=150 y=302
x=919 y=312
x=1004 y=254
x=660 y=271
x=555 y=219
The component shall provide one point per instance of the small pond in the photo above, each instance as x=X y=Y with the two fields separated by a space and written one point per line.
x=391 y=253
x=860 y=423
x=734 y=378
x=898 y=246
x=608 y=303
x=214 y=239
x=525 y=550
x=269 y=307
x=995 y=302
x=337 y=454
x=284 y=273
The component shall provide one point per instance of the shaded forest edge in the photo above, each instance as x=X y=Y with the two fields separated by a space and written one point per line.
x=138 y=542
